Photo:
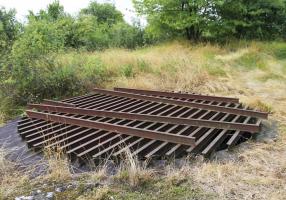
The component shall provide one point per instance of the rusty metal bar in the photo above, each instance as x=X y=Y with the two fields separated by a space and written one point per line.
x=114 y=128
x=117 y=144
x=194 y=132
x=233 y=140
x=184 y=116
x=236 y=136
x=194 y=122
x=178 y=95
x=109 y=135
x=206 y=137
x=186 y=103
x=57 y=103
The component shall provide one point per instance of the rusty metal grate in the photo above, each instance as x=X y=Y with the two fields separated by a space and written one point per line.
x=150 y=123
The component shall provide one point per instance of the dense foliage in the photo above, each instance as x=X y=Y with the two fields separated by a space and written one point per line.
x=215 y=19
x=9 y=30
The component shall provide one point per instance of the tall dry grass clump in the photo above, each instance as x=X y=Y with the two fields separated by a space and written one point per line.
x=58 y=165
x=12 y=179
x=133 y=172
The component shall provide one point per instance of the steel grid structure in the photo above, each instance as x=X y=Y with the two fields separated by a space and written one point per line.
x=151 y=124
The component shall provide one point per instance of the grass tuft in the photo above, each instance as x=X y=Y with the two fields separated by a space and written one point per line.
x=58 y=166
x=97 y=194
x=133 y=172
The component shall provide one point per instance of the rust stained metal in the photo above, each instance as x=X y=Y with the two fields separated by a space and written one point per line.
x=113 y=128
x=186 y=103
x=57 y=103
x=151 y=123
x=178 y=95
x=194 y=122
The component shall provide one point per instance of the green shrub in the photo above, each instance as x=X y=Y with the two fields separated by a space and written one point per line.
x=127 y=71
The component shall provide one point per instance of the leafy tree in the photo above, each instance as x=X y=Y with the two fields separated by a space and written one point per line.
x=9 y=30
x=53 y=12
x=89 y=34
x=185 y=17
x=215 y=19
x=127 y=36
x=104 y=13
x=46 y=33
x=258 y=19
x=39 y=39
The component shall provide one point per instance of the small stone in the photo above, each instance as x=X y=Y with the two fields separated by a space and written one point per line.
x=24 y=198
x=71 y=186
x=39 y=191
x=58 y=189
x=50 y=195
x=267 y=141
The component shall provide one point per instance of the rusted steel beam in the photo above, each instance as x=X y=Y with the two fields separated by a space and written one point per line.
x=234 y=138
x=175 y=120
x=57 y=103
x=114 y=128
x=187 y=104
x=217 y=140
x=178 y=95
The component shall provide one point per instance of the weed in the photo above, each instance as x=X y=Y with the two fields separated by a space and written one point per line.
x=96 y=194
x=271 y=76
x=58 y=165
x=278 y=49
x=127 y=71
x=252 y=60
x=133 y=172
x=259 y=105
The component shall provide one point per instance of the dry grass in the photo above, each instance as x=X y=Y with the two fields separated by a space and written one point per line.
x=133 y=172
x=175 y=175
x=258 y=173
x=12 y=180
x=58 y=166
x=96 y=194
x=2 y=119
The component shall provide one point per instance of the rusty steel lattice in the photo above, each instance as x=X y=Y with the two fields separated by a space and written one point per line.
x=151 y=124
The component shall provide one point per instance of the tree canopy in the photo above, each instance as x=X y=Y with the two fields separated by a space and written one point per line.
x=104 y=13
x=9 y=31
x=214 y=19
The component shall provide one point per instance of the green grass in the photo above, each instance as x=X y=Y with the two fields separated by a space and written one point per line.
x=278 y=50
x=215 y=70
x=127 y=71
x=251 y=61
x=271 y=76
x=161 y=190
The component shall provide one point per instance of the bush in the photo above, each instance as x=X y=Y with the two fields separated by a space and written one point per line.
x=90 y=35
x=127 y=36
x=39 y=39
